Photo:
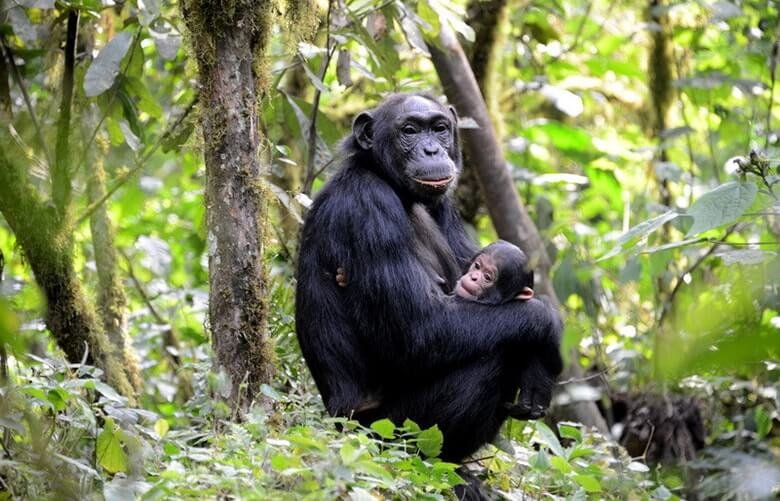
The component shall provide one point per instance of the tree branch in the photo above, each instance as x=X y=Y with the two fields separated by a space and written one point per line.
x=60 y=178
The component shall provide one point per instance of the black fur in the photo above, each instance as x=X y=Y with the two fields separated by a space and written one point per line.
x=392 y=336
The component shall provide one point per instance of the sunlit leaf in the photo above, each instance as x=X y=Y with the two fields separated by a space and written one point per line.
x=588 y=482
x=108 y=449
x=384 y=427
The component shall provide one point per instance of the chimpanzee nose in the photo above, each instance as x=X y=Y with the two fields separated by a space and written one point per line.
x=431 y=148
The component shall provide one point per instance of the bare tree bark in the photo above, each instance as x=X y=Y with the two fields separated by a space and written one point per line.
x=230 y=44
x=509 y=216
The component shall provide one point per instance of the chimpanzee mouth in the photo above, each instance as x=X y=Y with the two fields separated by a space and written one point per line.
x=435 y=183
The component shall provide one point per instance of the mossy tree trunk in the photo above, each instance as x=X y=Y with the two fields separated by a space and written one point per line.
x=44 y=230
x=111 y=299
x=47 y=242
x=229 y=40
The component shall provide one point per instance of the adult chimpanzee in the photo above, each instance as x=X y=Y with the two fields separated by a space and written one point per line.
x=392 y=343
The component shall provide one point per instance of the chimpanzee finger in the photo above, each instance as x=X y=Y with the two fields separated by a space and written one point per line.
x=341 y=277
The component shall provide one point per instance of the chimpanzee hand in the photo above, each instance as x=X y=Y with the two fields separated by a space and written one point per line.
x=536 y=386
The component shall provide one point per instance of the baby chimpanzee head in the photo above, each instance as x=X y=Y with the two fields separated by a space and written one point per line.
x=497 y=274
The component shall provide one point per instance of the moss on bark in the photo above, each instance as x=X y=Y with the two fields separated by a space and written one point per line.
x=111 y=299
x=47 y=243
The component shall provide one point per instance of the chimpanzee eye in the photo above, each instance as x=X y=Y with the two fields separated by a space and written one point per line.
x=488 y=277
x=440 y=127
x=476 y=265
x=408 y=129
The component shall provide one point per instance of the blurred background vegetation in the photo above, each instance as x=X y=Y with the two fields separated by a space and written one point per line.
x=642 y=138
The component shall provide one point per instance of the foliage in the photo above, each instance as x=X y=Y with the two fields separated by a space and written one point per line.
x=665 y=244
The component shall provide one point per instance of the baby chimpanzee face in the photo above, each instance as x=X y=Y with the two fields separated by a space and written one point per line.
x=481 y=275
x=498 y=274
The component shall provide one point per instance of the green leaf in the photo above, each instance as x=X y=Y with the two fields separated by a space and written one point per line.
x=721 y=206
x=560 y=464
x=384 y=427
x=58 y=398
x=763 y=422
x=545 y=436
x=104 y=69
x=639 y=232
x=588 y=482
x=161 y=427
x=430 y=441
x=349 y=453
x=571 y=431
x=110 y=454
x=540 y=461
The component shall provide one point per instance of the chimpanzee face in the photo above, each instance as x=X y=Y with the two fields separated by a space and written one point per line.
x=479 y=279
x=414 y=139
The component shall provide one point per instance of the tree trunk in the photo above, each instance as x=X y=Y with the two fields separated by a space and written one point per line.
x=47 y=243
x=487 y=18
x=111 y=299
x=509 y=216
x=229 y=43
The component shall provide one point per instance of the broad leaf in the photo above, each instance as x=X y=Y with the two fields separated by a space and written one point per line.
x=384 y=427
x=104 y=69
x=429 y=441
x=721 y=206
x=110 y=454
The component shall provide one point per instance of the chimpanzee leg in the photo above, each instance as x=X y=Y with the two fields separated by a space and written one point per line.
x=467 y=405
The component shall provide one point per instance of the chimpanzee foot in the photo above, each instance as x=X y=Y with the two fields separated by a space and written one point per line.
x=523 y=411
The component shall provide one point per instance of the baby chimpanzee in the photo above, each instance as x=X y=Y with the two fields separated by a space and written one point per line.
x=496 y=275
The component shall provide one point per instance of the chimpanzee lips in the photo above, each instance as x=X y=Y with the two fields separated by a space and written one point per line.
x=435 y=183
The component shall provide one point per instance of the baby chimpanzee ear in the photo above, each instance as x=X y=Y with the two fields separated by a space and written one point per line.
x=363 y=130
x=526 y=294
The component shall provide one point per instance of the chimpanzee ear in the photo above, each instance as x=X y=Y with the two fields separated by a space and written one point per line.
x=455 y=153
x=526 y=294
x=363 y=130
x=454 y=114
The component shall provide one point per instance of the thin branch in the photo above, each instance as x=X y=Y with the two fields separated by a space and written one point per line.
x=17 y=77
x=140 y=163
x=584 y=378
x=60 y=178
x=141 y=290
x=315 y=108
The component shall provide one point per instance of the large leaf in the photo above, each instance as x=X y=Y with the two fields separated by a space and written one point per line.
x=429 y=441
x=110 y=454
x=104 y=69
x=721 y=206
